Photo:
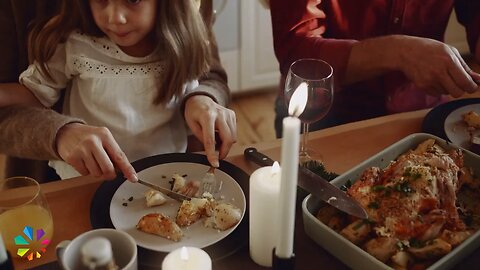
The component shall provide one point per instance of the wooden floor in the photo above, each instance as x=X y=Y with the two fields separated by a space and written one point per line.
x=255 y=116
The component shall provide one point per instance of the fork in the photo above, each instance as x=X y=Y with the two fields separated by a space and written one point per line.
x=210 y=183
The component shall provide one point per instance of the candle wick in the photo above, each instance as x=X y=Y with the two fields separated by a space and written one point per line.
x=295 y=111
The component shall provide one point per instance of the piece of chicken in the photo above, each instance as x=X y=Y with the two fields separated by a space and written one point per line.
x=193 y=210
x=154 y=198
x=224 y=216
x=159 y=224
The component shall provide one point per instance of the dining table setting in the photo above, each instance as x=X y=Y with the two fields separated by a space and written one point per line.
x=84 y=204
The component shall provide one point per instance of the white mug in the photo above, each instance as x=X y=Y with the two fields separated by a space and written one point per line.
x=123 y=246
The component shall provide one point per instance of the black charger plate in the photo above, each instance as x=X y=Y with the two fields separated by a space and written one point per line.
x=100 y=207
x=433 y=122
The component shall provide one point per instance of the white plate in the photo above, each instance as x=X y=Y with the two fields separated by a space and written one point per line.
x=125 y=218
x=455 y=127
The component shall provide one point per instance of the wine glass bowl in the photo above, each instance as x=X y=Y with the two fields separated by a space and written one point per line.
x=26 y=223
x=317 y=75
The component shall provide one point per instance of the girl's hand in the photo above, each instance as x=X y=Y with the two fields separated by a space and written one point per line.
x=93 y=151
x=204 y=117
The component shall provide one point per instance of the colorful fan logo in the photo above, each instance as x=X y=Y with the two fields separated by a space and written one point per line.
x=32 y=247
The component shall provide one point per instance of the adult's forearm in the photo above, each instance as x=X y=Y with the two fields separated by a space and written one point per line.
x=29 y=132
x=370 y=58
x=17 y=94
x=214 y=83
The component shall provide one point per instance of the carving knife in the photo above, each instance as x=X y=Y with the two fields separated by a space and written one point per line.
x=174 y=195
x=316 y=185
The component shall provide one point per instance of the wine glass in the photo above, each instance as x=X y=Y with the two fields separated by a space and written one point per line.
x=26 y=223
x=316 y=76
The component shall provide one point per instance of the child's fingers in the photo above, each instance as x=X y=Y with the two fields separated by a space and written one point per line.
x=119 y=159
x=105 y=165
x=209 y=143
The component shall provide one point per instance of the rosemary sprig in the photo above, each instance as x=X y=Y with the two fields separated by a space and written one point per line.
x=318 y=168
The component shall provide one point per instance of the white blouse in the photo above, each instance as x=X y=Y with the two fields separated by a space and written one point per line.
x=106 y=87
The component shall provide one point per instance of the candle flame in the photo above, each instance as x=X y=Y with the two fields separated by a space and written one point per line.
x=184 y=254
x=275 y=168
x=298 y=102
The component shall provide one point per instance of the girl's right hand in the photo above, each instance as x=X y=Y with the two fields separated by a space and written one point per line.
x=93 y=151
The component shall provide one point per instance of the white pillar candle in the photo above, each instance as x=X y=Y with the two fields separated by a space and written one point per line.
x=264 y=196
x=288 y=187
x=187 y=258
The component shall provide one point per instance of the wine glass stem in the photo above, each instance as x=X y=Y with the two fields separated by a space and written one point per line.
x=303 y=145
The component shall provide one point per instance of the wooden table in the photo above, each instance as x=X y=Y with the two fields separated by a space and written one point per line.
x=342 y=147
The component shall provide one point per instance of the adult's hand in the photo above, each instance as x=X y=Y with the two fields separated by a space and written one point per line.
x=436 y=67
x=204 y=117
x=93 y=151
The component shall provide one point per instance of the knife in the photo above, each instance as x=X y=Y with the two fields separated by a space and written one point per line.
x=174 y=195
x=316 y=185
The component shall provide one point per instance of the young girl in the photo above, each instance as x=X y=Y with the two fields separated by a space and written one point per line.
x=129 y=66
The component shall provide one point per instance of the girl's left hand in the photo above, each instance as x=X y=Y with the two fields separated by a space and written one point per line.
x=204 y=117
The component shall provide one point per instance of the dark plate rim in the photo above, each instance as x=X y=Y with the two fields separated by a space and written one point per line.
x=434 y=121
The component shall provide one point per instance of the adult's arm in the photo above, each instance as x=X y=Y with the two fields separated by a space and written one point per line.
x=214 y=82
x=25 y=132
x=299 y=28
x=30 y=132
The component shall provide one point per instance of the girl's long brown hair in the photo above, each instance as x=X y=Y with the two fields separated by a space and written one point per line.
x=180 y=32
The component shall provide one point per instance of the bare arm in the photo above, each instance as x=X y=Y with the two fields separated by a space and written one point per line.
x=17 y=94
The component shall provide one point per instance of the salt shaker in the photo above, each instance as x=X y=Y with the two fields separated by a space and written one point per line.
x=97 y=254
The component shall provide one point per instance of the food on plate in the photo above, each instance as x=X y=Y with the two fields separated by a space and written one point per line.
x=193 y=210
x=154 y=198
x=472 y=119
x=182 y=186
x=224 y=216
x=159 y=224
x=420 y=207
x=178 y=182
x=217 y=214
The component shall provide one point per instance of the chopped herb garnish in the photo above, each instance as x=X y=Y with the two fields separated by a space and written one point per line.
x=378 y=188
x=318 y=168
x=404 y=187
x=358 y=225
x=130 y=199
x=416 y=243
x=125 y=204
x=373 y=205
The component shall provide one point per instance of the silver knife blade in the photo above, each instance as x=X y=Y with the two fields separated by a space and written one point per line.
x=316 y=185
x=174 y=195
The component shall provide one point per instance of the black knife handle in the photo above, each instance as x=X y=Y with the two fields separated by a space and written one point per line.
x=252 y=154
